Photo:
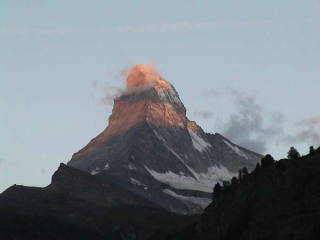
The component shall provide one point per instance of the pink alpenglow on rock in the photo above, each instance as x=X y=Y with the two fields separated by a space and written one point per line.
x=140 y=75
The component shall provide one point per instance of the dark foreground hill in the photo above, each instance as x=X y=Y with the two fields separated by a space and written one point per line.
x=277 y=201
x=77 y=205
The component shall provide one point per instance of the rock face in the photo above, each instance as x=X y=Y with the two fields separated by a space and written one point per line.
x=153 y=150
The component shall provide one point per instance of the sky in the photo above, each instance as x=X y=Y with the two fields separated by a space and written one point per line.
x=247 y=69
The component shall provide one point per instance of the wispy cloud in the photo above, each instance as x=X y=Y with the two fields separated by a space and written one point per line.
x=312 y=121
x=249 y=125
x=111 y=92
x=182 y=26
x=138 y=28
x=308 y=131
x=1 y=160
x=204 y=114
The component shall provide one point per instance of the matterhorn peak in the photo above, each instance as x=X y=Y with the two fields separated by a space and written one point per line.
x=148 y=98
x=144 y=81
x=140 y=75
x=152 y=149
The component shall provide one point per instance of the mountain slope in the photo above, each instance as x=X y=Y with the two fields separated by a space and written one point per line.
x=29 y=213
x=152 y=149
x=279 y=200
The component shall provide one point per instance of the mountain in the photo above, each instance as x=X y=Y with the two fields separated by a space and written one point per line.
x=151 y=149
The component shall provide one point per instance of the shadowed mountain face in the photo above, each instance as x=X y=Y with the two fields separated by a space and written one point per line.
x=150 y=148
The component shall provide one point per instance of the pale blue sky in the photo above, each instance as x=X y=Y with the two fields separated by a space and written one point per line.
x=59 y=58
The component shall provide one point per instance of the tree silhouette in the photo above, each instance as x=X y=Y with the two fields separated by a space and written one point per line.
x=293 y=153
x=226 y=184
x=311 y=150
x=257 y=167
x=234 y=181
x=217 y=190
x=243 y=172
x=267 y=160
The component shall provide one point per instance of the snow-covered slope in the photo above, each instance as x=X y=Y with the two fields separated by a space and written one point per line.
x=151 y=148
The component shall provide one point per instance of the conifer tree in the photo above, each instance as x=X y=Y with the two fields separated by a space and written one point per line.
x=267 y=160
x=311 y=150
x=293 y=153
x=217 y=190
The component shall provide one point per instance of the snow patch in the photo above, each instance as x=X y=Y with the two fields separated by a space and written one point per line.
x=131 y=166
x=168 y=94
x=236 y=149
x=106 y=166
x=159 y=136
x=201 y=182
x=173 y=152
x=137 y=182
x=95 y=171
x=198 y=142
x=182 y=161
x=202 y=202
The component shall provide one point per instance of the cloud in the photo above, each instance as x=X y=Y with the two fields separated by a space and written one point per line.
x=311 y=122
x=252 y=127
x=309 y=135
x=138 y=28
x=140 y=75
x=110 y=93
x=204 y=114
x=114 y=90
x=131 y=81
x=1 y=160
x=307 y=131
x=249 y=125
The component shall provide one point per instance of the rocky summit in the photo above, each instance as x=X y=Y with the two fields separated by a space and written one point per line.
x=152 y=150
